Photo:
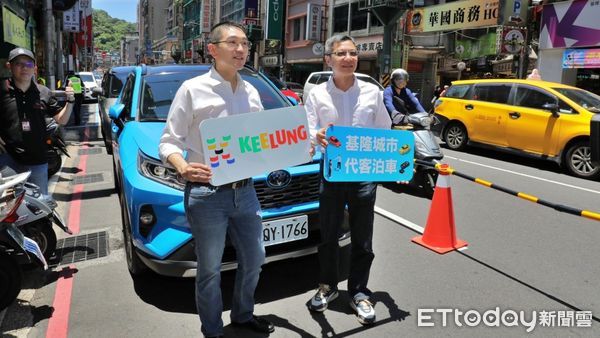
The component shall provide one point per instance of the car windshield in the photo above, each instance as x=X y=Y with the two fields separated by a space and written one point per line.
x=587 y=100
x=87 y=77
x=158 y=91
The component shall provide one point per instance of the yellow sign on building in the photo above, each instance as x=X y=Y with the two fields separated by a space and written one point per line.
x=14 y=28
x=456 y=15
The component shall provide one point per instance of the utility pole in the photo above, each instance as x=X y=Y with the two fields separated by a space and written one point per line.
x=49 y=37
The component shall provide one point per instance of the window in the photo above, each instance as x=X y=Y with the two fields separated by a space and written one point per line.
x=297 y=33
x=340 y=18
x=497 y=93
x=313 y=79
x=359 y=18
x=533 y=97
x=323 y=78
x=458 y=92
x=116 y=84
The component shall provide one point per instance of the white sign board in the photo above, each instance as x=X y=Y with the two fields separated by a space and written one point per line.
x=71 y=19
x=241 y=146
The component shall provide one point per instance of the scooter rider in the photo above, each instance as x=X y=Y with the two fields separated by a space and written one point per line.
x=399 y=100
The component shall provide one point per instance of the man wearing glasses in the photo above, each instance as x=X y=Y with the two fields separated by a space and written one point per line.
x=213 y=212
x=24 y=104
x=345 y=100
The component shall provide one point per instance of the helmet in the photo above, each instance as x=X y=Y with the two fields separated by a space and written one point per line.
x=399 y=74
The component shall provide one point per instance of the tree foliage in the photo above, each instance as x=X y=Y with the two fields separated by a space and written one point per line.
x=109 y=31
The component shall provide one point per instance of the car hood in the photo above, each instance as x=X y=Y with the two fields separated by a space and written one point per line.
x=147 y=136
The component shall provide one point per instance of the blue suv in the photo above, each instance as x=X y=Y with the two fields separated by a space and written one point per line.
x=155 y=229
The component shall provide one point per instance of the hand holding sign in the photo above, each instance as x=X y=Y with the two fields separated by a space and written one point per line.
x=363 y=154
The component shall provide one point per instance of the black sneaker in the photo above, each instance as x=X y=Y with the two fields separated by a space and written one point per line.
x=325 y=294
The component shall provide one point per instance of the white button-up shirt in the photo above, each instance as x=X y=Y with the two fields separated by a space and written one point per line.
x=360 y=106
x=200 y=98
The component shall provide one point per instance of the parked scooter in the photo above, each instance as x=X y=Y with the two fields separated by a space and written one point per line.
x=37 y=213
x=15 y=249
x=54 y=139
x=427 y=150
x=56 y=146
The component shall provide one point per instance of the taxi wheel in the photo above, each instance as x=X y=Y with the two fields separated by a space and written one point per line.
x=456 y=136
x=578 y=161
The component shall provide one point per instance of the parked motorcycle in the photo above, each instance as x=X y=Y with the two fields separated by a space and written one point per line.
x=37 y=213
x=15 y=248
x=427 y=149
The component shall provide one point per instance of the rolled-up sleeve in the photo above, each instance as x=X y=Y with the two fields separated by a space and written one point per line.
x=178 y=124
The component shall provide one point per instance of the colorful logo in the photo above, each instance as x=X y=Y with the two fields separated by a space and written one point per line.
x=220 y=151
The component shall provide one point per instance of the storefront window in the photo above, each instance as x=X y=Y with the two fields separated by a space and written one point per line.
x=374 y=21
x=340 y=18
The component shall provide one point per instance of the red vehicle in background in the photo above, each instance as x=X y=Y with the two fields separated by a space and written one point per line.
x=283 y=88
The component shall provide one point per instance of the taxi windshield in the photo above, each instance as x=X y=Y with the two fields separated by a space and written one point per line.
x=587 y=100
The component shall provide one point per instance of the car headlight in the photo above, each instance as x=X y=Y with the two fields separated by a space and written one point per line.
x=157 y=171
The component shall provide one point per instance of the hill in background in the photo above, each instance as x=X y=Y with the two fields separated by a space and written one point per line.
x=108 y=31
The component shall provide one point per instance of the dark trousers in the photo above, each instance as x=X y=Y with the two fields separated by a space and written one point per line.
x=76 y=112
x=360 y=198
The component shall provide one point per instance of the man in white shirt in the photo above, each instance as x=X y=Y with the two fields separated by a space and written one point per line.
x=345 y=100
x=213 y=212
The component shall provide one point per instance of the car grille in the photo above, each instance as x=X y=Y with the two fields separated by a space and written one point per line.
x=302 y=189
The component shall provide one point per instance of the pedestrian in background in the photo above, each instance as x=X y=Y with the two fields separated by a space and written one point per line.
x=399 y=100
x=213 y=212
x=24 y=105
x=345 y=101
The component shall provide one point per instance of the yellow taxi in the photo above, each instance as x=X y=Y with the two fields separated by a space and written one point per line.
x=529 y=117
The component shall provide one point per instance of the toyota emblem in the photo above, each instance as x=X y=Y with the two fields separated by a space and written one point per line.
x=279 y=179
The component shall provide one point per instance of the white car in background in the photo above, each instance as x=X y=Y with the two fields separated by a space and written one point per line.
x=89 y=82
x=316 y=78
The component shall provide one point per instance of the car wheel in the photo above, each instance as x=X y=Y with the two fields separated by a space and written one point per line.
x=134 y=264
x=578 y=161
x=456 y=136
x=10 y=280
x=54 y=162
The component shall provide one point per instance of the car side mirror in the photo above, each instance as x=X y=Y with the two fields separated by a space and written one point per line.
x=114 y=112
x=97 y=91
x=552 y=107
x=293 y=100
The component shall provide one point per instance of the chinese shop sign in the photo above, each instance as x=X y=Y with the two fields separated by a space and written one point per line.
x=455 y=15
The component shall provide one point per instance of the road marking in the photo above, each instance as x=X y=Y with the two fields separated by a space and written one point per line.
x=525 y=175
x=402 y=221
x=58 y=324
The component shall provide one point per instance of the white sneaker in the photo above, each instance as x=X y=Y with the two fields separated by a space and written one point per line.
x=321 y=299
x=365 y=311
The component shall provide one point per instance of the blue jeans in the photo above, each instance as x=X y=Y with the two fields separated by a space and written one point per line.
x=213 y=213
x=39 y=172
x=360 y=198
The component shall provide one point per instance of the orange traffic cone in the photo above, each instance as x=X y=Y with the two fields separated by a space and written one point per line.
x=440 y=231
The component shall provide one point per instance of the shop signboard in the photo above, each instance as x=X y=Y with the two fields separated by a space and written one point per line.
x=274 y=29
x=456 y=15
x=14 y=28
x=475 y=48
x=369 y=46
x=581 y=58
x=514 y=12
x=314 y=19
x=71 y=19
x=570 y=24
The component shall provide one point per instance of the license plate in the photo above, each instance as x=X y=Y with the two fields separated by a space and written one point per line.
x=285 y=230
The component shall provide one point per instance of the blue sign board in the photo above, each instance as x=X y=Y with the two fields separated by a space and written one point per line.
x=364 y=154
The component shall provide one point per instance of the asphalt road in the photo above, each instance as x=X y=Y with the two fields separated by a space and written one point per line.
x=523 y=260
